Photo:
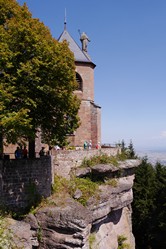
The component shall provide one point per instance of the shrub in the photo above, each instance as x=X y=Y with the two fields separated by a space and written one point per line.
x=87 y=187
x=104 y=159
x=91 y=240
x=121 y=242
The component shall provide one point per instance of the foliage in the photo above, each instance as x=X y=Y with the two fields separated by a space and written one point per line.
x=39 y=234
x=103 y=159
x=149 y=212
x=92 y=239
x=123 y=145
x=37 y=79
x=121 y=242
x=112 y=182
x=122 y=156
x=131 y=150
x=61 y=185
x=128 y=152
x=86 y=186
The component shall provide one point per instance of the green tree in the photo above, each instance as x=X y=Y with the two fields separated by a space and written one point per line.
x=128 y=151
x=37 y=79
x=159 y=215
x=143 y=204
x=131 y=150
x=149 y=206
x=123 y=146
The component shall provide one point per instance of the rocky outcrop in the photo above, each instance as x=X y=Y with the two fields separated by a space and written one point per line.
x=67 y=224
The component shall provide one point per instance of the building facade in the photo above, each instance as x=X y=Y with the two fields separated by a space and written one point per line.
x=89 y=112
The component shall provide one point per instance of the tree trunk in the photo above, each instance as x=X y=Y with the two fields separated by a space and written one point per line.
x=1 y=145
x=32 y=153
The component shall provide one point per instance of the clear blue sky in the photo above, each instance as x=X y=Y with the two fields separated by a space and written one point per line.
x=128 y=46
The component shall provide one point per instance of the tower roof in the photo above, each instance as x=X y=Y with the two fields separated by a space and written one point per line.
x=79 y=55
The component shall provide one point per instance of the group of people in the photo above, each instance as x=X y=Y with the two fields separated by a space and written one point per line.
x=88 y=145
x=21 y=152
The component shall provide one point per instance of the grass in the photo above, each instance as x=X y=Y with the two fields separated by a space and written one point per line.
x=87 y=187
x=112 y=182
x=121 y=242
x=122 y=156
x=102 y=159
x=92 y=239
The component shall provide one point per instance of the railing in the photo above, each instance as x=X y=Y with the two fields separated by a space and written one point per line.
x=107 y=145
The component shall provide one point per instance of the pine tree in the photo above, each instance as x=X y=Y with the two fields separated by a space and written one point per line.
x=123 y=146
x=143 y=204
x=131 y=150
x=149 y=206
x=159 y=215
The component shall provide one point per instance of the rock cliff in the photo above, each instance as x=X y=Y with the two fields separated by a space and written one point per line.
x=67 y=224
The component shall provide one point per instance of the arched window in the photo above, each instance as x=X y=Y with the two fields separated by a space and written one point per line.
x=79 y=81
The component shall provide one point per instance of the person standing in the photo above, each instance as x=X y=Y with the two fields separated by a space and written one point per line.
x=42 y=152
x=17 y=153
x=85 y=145
x=90 y=144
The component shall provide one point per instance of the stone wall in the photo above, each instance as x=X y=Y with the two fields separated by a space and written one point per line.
x=23 y=181
x=65 y=161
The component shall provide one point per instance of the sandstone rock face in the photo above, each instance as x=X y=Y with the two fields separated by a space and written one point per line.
x=67 y=226
x=96 y=226
x=22 y=235
x=116 y=224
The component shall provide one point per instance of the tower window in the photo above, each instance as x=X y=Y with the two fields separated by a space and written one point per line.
x=79 y=81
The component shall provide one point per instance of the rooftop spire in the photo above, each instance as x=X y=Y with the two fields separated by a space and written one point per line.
x=65 y=20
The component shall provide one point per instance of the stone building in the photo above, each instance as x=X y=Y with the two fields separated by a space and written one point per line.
x=89 y=112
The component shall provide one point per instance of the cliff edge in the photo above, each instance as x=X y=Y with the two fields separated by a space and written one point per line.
x=63 y=222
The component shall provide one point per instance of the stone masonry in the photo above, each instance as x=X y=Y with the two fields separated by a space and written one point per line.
x=23 y=180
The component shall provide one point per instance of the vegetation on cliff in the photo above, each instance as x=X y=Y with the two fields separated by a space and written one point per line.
x=37 y=79
x=86 y=187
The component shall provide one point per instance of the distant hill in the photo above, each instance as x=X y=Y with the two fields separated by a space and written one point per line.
x=153 y=156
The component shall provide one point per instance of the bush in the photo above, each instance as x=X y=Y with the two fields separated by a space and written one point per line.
x=102 y=159
x=121 y=242
x=87 y=187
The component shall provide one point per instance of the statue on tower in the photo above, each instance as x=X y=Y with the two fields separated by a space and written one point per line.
x=84 y=40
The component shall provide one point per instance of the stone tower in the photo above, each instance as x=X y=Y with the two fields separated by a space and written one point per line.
x=89 y=112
